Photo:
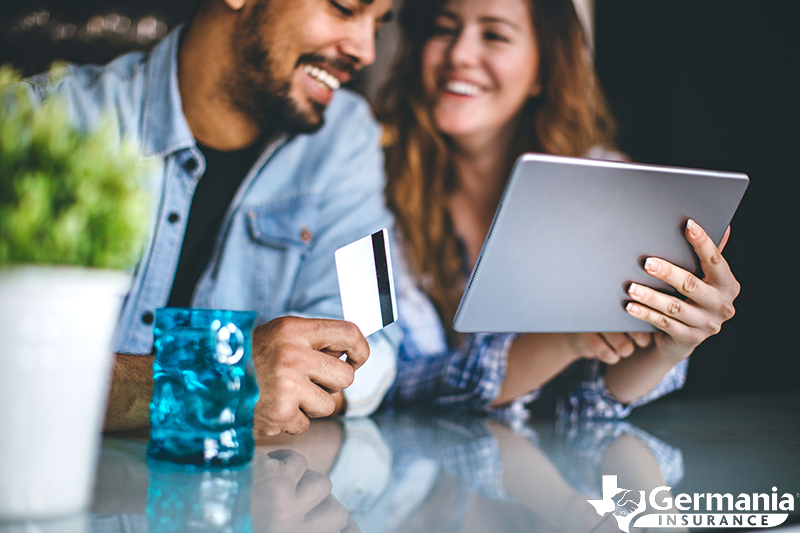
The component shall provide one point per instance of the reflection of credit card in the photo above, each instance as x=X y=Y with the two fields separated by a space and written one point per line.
x=365 y=282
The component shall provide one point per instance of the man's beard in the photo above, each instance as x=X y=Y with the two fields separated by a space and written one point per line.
x=269 y=105
x=255 y=90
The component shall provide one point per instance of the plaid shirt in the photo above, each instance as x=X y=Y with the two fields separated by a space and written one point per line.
x=577 y=448
x=466 y=449
x=461 y=446
x=431 y=373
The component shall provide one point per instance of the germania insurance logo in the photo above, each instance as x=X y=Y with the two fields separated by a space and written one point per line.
x=700 y=509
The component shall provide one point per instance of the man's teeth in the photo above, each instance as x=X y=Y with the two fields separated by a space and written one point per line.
x=322 y=76
x=463 y=88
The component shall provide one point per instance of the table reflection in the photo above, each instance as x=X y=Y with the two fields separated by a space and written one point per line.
x=395 y=472
x=276 y=492
x=476 y=475
x=405 y=471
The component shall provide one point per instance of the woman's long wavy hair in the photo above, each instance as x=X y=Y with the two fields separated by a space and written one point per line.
x=568 y=118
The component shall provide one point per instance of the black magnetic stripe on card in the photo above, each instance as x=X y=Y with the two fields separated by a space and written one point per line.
x=382 y=270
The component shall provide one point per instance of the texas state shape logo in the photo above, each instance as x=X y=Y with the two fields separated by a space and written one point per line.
x=621 y=502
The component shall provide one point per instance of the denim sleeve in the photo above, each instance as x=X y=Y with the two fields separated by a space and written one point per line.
x=353 y=208
x=353 y=205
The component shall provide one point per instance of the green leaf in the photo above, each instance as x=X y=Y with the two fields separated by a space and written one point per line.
x=66 y=196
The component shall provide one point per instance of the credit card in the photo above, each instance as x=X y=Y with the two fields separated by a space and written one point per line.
x=366 y=286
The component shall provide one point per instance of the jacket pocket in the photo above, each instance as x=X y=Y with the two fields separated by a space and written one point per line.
x=286 y=225
x=282 y=235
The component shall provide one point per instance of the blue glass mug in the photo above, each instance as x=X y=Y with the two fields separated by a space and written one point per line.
x=204 y=387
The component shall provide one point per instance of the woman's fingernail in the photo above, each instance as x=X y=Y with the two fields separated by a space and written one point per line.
x=636 y=291
x=693 y=228
x=632 y=308
x=652 y=265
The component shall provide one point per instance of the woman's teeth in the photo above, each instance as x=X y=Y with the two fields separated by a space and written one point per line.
x=463 y=88
x=322 y=76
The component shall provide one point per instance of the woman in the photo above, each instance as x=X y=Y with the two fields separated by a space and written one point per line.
x=477 y=83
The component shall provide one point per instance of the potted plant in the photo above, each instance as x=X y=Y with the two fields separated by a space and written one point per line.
x=73 y=216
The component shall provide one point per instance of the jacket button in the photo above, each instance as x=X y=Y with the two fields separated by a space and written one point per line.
x=148 y=317
x=306 y=235
x=173 y=218
x=190 y=164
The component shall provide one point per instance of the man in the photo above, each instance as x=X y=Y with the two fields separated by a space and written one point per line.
x=244 y=99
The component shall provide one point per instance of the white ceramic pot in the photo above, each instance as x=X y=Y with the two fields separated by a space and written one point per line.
x=56 y=327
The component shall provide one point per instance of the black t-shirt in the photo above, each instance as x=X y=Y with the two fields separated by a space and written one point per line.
x=224 y=173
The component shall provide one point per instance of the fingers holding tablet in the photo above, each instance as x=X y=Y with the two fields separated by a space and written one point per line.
x=709 y=301
x=642 y=339
x=716 y=270
x=609 y=348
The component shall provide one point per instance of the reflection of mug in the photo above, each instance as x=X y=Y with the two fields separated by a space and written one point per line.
x=183 y=501
x=276 y=493
x=204 y=387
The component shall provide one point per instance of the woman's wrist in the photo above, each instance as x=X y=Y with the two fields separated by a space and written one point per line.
x=557 y=345
x=671 y=353
x=533 y=360
x=571 y=350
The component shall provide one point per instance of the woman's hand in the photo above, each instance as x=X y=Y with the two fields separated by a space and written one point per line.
x=709 y=301
x=609 y=348
x=536 y=358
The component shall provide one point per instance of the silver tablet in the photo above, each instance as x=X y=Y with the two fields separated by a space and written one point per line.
x=570 y=235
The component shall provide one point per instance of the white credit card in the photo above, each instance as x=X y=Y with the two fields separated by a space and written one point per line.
x=366 y=284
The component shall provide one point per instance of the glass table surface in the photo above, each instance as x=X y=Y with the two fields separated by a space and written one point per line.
x=731 y=461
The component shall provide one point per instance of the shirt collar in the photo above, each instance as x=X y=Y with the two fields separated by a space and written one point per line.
x=164 y=127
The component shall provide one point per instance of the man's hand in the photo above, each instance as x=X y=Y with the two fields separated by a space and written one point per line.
x=299 y=370
x=287 y=496
x=129 y=393
x=709 y=301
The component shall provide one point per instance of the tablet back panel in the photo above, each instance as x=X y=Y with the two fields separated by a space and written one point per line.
x=570 y=235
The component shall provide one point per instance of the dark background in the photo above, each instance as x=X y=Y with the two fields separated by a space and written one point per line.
x=715 y=84
x=710 y=84
x=34 y=33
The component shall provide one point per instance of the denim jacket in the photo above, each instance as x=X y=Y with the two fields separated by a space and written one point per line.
x=306 y=196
